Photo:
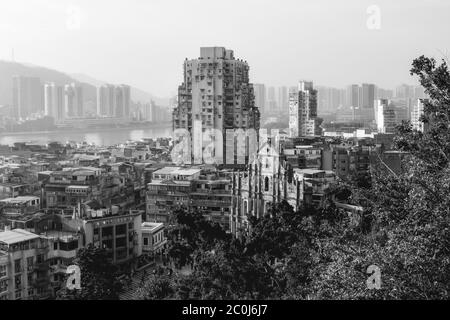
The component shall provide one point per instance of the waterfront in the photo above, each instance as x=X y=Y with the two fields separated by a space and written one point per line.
x=105 y=137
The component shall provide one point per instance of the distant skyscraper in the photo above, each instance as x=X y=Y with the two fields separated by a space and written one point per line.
x=260 y=95
x=122 y=101
x=283 y=98
x=54 y=101
x=384 y=93
x=403 y=109
x=353 y=96
x=105 y=100
x=329 y=99
x=303 y=110
x=368 y=95
x=113 y=101
x=404 y=91
x=73 y=98
x=216 y=94
x=271 y=104
x=360 y=97
x=27 y=96
x=342 y=98
x=385 y=116
x=147 y=111
x=322 y=99
x=368 y=100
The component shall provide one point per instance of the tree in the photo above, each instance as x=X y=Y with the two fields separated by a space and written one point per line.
x=408 y=235
x=225 y=268
x=98 y=276
x=158 y=287
x=274 y=234
x=191 y=231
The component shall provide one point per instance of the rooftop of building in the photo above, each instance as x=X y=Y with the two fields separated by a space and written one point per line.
x=60 y=235
x=395 y=152
x=74 y=172
x=47 y=172
x=19 y=200
x=166 y=170
x=170 y=182
x=120 y=215
x=28 y=216
x=16 y=235
x=152 y=226
x=215 y=52
x=308 y=171
x=90 y=168
x=178 y=171
x=119 y=164
x=309 y=146
x=11 y=184
x=213 y=180
x=77 y=187
x=82 y=156
x=312 y=171
x=12 y=165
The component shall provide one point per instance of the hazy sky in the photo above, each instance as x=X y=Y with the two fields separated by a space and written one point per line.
x=144 y=42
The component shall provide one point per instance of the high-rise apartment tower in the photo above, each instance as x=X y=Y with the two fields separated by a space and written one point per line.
x=216 y=95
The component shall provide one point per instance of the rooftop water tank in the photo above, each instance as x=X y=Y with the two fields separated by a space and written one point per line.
x=115 y=210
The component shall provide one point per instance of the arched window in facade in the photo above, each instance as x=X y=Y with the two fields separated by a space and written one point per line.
x=266 y=184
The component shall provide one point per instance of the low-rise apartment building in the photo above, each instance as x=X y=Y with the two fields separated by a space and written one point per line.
x=170 y=187
x=153 y=238
x=304 y=156
x=211 y=195
x=12 y=190
x=24 y=272
x=348 y=160
x=205 y=191
x=119 y=233
x=10 y=207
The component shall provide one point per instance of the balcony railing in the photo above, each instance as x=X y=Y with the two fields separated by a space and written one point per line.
x=212 y=191
x=211 y=203
x=42 y=247
x=41 y=266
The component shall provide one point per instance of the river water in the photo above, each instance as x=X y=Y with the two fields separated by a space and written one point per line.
x=101 y=137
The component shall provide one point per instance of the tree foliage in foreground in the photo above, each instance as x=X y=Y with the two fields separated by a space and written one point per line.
x=98 y=277
x=409 y=235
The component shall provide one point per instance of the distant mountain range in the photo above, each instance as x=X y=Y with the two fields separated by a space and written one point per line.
x=9 y=69
x=136 y=94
